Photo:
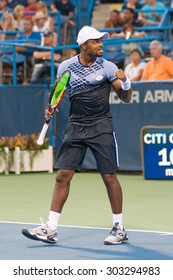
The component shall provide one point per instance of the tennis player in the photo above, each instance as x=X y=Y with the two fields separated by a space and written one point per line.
x=89 y=126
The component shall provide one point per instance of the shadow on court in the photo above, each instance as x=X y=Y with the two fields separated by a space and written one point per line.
x=77 y=243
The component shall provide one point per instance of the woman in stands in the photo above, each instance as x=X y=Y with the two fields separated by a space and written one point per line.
x=135 y=68
x=7 y=24
x=19 y=14
x=41 y=7
x=41 y=25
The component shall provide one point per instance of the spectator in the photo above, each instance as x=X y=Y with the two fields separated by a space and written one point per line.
x=40 y=22
x=19 y=14
x=134 y=4
x=160 y=67
x=41 y=7
x=154 y=16
x=135 y=68
x=3 y=6
x=42 y=58
x=7 y=24
x=31 y=8
x=34 y=38
x=128 y=17
x=128 y=31
x=113 y=20
x=66 y=8
x=29 y=34
x=13 y=3
x=42 y=25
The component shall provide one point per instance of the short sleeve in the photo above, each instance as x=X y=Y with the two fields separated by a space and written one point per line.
x=62 y=67
x=110 y=69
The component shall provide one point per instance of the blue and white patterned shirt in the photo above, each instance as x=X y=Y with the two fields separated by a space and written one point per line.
x=89 y=89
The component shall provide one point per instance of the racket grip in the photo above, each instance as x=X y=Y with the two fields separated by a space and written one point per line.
x=43 y=133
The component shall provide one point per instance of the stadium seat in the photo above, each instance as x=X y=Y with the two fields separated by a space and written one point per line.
x=145 y=46
x=159 y=35
x=116 y=57
x=167 y=47
x=113 y=47
x=6 y=68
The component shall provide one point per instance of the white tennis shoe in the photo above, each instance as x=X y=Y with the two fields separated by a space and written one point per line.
x=116 y=236
x=41 y=233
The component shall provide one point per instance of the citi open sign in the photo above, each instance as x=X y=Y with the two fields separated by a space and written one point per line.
x=157 y=152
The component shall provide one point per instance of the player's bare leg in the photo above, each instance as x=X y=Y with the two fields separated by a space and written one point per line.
x=61 y=190
x=114 y=192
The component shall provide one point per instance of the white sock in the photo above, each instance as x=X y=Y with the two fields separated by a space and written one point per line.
x=53 y=220
x=118 y=218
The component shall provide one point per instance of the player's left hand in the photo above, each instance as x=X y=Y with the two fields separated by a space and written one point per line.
x=119 y=74
x=48 y=113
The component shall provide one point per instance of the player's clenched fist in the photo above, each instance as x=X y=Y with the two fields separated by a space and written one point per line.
x=119 y=74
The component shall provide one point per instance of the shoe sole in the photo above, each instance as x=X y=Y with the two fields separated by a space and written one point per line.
x=115 y=243
x=27 y=234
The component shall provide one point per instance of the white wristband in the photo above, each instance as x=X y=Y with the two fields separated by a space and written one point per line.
x=126 y=85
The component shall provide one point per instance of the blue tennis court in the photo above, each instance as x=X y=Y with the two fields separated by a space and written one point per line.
x=84 y=243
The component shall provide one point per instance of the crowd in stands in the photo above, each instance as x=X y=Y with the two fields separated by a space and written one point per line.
x=28 y=22
x=33 y=22
x=135 y=14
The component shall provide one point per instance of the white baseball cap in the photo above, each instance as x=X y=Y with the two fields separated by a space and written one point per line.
x=88 y=33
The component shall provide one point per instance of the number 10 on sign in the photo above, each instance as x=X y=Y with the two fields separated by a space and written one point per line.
x=166 y=157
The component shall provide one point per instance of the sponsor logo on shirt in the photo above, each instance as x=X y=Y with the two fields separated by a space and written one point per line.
x=99 y=78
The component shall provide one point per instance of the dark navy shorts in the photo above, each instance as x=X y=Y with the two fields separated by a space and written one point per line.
x=99 y=138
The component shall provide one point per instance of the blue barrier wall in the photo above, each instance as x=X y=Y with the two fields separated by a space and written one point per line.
x=22 y=109
x=151 y=104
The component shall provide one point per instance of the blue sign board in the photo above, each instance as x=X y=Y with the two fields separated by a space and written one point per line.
x=157 y=152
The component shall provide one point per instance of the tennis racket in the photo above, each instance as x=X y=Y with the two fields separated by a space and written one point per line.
x=56 y=96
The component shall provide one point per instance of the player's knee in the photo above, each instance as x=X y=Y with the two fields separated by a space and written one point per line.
x=109 y=179
x=63 y=177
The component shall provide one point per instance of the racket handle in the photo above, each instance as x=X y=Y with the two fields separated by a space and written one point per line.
x=43 y=134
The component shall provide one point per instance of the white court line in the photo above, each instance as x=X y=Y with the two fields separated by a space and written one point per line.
x=136 y=230
x=166 y=233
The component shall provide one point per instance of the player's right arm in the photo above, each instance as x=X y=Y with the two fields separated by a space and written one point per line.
x=122 y=86
x=119 y=81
